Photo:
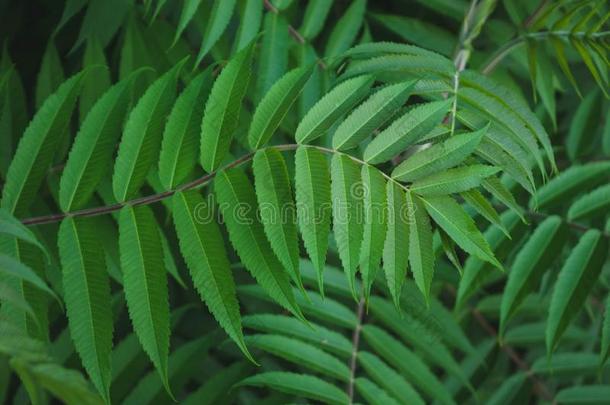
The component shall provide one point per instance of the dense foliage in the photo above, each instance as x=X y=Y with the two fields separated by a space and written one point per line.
x=244 y=201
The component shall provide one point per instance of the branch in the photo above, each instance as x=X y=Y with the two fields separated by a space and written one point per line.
x=92 y=212
x=355 y=344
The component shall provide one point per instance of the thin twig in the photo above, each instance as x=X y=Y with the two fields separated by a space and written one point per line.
x=91 y=212
x=355 y=344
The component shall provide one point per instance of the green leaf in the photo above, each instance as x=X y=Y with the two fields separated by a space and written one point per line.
x=534 y=258
x=189 y=8
x=217 y=388
x=372 y=393
x=450 y=216
x=347 y=214
x=313 y=199
x=302 y=354
x=277 y=209
x=408 y=364
x=501 y=149
x=346 y=29
x=418 y=335
x=67 y=385
x=10 y=225
x=71 y=8
x=576 y=279
x=395 y=252
x=203 y=249
x=453 y=180
x=50 y=76
x=302 y=385
x=591 y=205
x=481 y=204
x=145 y=283
x=273 y=60
x=13 y=268
x=439 y=157
x=563 y=62
x=102 y=20
x=91 y=155
x=220 y=118
x=29 y=257
x=148 y=389
x=180 y=144
x=389 y=379
x=317 y=335
x=371 y=114
x=477 y=271
x=37 y=147
x=221 y=13
x=502 y=106
x=569 y=183
x=237 y=201
x=87 y=294
x=509 y=390
x=584 y=394
x=321 y=117
x=94 y=86
x=499 y=191
x=251 y=13
x=421 y=253
x=405 y=131
x=605 y=342
x=450 y=252
x=331 y=312
x=274 y=106
x=567 y=364
x=583 y=126
x=532 y=334
x=545 y=85
x=375 y=227
x=415 y=31
x=141 y=140
x=315 y=16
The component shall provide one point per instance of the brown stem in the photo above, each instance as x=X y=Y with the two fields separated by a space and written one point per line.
x=91 y=212
x=355 y=344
